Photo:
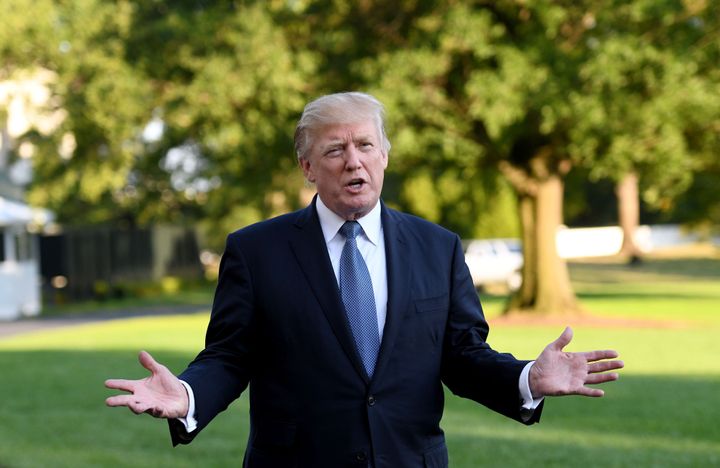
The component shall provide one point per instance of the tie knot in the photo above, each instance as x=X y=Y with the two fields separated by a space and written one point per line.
x=350 y=229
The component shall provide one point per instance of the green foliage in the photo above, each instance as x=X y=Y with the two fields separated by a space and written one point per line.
x=477 y=205
x=223 y=78
x=229 y=85
x=470 y=87
x=27 y=40
x=651 y=99
x=102 y=95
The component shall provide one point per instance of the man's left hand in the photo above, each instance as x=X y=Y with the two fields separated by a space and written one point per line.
x=557 y=372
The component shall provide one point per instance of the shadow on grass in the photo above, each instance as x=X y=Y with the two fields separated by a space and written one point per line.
x=692 y=268
x=53 y=414
x=659 y=421
x=654 y=295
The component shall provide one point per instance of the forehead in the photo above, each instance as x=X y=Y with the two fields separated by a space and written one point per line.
x=346 y=131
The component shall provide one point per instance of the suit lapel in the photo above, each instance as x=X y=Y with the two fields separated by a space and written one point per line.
x=308 y=245
x=398 y=283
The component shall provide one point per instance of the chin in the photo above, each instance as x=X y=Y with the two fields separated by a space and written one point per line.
x=355 y=211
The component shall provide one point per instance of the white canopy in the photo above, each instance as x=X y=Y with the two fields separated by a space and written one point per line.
x=13 y=213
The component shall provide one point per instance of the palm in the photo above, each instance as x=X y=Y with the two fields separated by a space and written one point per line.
x=557 y=372
x=161 y=394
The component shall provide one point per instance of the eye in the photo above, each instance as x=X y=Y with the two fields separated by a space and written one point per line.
x=333 y=152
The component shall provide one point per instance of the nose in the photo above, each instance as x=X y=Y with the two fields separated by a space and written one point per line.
x=352 y=158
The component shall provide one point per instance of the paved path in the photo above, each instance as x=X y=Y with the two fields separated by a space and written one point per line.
x=28 y=325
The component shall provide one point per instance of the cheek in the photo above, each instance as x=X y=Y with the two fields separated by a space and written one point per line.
x=326 y=177
x=379 y=171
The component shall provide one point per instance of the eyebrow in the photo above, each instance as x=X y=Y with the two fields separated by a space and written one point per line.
x=332 y=145
x=340 y=141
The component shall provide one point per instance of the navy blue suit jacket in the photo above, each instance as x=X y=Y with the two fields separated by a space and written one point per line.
x=278 y=325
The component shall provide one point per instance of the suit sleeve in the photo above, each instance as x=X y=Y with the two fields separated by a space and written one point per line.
x=222 y=371
x=470 y=368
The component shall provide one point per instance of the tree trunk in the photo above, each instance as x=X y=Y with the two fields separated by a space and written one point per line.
x=628 y=199
x=5 y=144
x=546 y=287
x=528 y=288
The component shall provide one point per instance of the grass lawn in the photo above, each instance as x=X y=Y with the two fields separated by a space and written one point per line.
x=664 y=411
x=199 y=294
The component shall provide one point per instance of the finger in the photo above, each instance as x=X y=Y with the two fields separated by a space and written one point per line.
x=591 y=356
x=138 y=407
x=590 y=392
x=121 y=384
x=601 y=378
x=147 y=361
x=156 y=413
x=605 y=366
x=120 y=400
x=563 y=339
x=132 y=403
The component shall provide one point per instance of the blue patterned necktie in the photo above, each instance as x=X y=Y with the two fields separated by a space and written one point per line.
x=357 y=296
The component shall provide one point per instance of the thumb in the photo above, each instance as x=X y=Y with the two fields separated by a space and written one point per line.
x=563 y=340
x=147 y=361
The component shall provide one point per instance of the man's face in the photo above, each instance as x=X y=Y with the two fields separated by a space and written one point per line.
x=347 y=165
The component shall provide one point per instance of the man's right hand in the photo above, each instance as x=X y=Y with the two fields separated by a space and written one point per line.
x=160 y=395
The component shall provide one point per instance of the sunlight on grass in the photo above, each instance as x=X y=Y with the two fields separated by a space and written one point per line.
x=171 y=333
x=645 y=350
x=685 y=351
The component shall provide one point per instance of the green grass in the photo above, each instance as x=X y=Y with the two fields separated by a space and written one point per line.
x=199 y=294
x=663 y=412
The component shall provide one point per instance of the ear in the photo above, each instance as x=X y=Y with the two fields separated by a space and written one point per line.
x=385 y=159
x=307 y=169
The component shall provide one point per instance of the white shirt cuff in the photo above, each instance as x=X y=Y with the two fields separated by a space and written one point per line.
x=529 y=404
x=189 y=421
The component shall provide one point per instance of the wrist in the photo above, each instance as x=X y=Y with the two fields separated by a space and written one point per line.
x=533 y=382
x=187 y=407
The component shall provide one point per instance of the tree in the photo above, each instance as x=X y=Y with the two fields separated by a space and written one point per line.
x=219 y=84
x=25 y=85
x=229 y=85
x=628 y=202
x=534 y=89
x=477 y=85
x=654 y=95
x=86 y=160
x=474 y=90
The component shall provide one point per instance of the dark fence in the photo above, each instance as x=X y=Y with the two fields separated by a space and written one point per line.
x=105 y=261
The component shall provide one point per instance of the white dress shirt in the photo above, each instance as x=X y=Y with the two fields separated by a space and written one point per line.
x=371 y=244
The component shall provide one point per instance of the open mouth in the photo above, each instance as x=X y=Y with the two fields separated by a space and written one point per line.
x=356 y=184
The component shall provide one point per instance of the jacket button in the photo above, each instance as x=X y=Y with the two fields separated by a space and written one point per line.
x=361 y=456
x=371 y=400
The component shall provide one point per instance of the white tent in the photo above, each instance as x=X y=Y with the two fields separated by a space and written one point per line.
x=14 y=213
x=19 y=259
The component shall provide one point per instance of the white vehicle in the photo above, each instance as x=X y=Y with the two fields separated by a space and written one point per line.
x=495 y=261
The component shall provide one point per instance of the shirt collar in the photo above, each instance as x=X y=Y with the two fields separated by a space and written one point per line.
x=331 y=223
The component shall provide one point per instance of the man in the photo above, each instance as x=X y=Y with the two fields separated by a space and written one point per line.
x=345 y=319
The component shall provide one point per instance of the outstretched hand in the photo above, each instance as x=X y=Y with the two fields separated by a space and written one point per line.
x=557 y=372
x=161 y=395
